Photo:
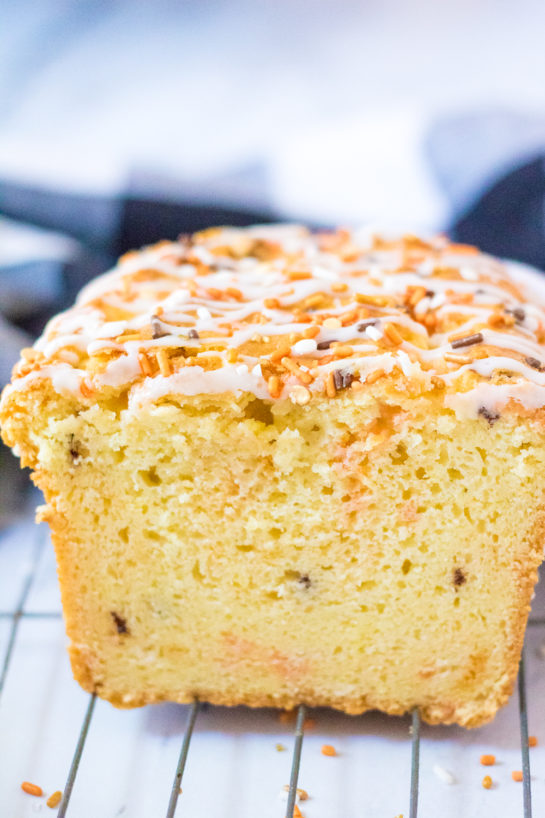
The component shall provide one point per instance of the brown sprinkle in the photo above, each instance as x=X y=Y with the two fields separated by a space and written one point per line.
x=487 y=760
x=342 y=380
x=32 y=789
x=157 y=330
x=516 y=775
x=487 y=782
x=467 y=340
x=54 y=799
x=534 y=363
x=328 y=750
x=324 y=344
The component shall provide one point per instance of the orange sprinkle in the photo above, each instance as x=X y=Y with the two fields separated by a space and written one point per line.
x=392 y=334
x=417 y=295
x=516 y=775
x=298 y=275
x=311 y=332
x=86 y=390
x=164 y=362
x=54 y=799
x=374 y=376
x=487 y=760
x=32 y=789
x=328 y=750
x=297 y=812
x=462 y=249
x=235 y=293
x=330 y=388
x=357 y=386
x=314 y=300
x=274 y=386
x=339 y=287
x=532 y=741
x=145 y=364
x=214 y=293
x=342 y=351
x=271 y=303
x=487 y=782
x=280 y=353
x=291 y=366
x=375 y=300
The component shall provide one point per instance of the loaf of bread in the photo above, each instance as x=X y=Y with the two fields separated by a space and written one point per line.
x=285 y=467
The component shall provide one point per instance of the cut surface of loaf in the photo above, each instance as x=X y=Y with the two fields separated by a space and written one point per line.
x=284 y=467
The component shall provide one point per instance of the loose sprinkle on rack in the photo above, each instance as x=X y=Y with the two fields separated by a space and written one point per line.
x=487 y=782
x=516 y=775
x=54 y=799
x=487 y=760
x=328 y=750
x=32 y=789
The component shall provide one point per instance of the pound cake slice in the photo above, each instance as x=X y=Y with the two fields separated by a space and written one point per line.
x=285 y=467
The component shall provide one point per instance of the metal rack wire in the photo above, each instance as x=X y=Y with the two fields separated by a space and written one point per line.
x=413 y=796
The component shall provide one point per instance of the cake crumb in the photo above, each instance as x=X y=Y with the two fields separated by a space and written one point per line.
x=516 y=775
x=487 y=760
x=444 y=774
x=279 y=748
x=54 y=799
x=300 y=794
x=32 y=789
x=487 y=782
x=328 y=750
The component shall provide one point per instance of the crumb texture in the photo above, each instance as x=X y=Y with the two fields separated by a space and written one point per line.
x=356 y=555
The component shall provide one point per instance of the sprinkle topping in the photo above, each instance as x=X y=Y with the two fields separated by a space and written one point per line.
x=283 y=313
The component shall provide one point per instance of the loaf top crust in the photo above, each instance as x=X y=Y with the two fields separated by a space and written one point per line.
x=284 y=313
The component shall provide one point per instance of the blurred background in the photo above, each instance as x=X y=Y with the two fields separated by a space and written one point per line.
x=124 y=122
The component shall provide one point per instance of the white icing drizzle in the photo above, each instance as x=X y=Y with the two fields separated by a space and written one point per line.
x=221 y=306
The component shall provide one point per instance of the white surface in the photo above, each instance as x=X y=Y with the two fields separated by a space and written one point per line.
x=233 y=767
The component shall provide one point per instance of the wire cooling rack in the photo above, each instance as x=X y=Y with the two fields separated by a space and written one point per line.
x=197 y=761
